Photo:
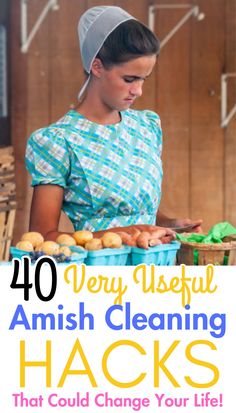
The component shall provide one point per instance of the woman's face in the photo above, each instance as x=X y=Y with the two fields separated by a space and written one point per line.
x=123 y=83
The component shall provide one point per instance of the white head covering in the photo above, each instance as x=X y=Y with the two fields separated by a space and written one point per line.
x=94 y=27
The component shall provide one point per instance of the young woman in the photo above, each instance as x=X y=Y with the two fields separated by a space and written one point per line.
x=101 y=163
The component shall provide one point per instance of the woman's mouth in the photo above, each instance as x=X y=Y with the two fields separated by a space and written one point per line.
x=129 y=100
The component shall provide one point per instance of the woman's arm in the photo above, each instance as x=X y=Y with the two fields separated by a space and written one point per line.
x=46 y=210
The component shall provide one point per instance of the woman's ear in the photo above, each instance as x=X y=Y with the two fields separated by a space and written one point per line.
x=97 y=67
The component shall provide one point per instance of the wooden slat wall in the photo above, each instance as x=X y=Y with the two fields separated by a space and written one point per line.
x=230 y=132
x=199 y=156
x=207 y=145
x=172 y=103
x=66 y=73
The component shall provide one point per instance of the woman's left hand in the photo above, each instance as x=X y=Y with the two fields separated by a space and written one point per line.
x=179 y=225
x=186 y=225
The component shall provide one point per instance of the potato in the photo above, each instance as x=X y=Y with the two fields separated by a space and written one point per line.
x=127 y=239
x=167 y=239
x=94 y=244
x=111 y=240
x=143 y=239
x=34 y=237
x=25 y=246
x=158 y=233
x=154 y=242
x=50 y=248
x=81 y=237
x=66 y=239
x=64 y=249
x=39 y=247
x=135 y=234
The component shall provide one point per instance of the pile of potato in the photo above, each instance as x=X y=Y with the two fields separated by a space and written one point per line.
x=34 y=242
x=145 y=239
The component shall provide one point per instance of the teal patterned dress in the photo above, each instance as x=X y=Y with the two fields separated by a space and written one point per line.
x=111 y=174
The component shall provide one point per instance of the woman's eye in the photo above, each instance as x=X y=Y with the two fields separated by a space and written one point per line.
x=129 y=79
x=133 y=79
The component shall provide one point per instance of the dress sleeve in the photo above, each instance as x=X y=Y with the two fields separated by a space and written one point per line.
x=47 y=158
x=155 y=126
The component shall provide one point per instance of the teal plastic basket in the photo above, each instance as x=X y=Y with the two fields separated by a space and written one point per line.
x=108 y=256
x=163 y=254
x=79 y=255
x=17 y=253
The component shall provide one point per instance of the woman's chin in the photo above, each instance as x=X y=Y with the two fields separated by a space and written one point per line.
x=127 y=104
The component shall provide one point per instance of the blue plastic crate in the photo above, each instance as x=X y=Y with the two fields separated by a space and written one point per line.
x=108 y=256
x=78 y=258
x=163 y=254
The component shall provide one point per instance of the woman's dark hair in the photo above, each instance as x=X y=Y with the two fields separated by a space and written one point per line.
x=128 y=41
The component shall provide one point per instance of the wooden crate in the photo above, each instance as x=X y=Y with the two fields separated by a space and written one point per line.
x=7 y=219
x=217 y=254
x=7 y=200
x=7 y=175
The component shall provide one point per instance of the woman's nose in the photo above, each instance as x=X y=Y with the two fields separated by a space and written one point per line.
x=136 y=89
